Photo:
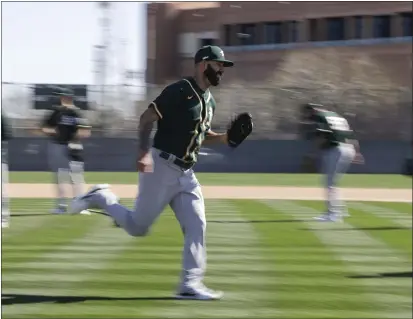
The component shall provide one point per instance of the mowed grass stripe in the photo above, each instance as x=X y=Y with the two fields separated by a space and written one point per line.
x=122 y=275
x=92 y=308
x=242 y=293
x=132 y=273
x=287 y=241
x=401 y=219
x=100 y=231
x=157 y=250
x=95 y=309
x=251 y=266
x=383 y=229
x=27 y=214
x=404 y=208
x=32 y=206
x=332 y=235
x=392 y=229
x=284 y=263
x=63 y=278
x=147 y=281
x=54 y=232
x=21 y=224
x=63 y=262
x=238 y=234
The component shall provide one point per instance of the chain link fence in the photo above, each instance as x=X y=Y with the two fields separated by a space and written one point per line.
x=378 y=113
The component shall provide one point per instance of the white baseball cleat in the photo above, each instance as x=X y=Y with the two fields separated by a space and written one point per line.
x=5 y=223
x=199 y=293
x=329 y=218
x=85 y=212
x=81 y=203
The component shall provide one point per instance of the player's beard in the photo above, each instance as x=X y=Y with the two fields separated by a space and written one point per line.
x=214 y=77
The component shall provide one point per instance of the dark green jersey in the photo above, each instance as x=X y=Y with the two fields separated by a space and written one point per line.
x=185 y=113
x=332 y=126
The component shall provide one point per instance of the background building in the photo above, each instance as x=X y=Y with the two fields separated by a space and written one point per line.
x=269 y=36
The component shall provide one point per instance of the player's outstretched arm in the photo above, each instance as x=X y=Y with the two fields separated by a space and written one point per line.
x=49 y=123
x=215 y=138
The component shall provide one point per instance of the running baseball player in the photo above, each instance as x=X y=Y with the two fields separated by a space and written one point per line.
x=333 y=135
x=183 y=112
x=66 y=127
x=6 y=135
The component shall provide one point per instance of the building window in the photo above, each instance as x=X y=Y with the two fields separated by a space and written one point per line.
x=292 y=31
x=312 y=23
x=227 y=35
x=381 y=26
x=205 y=42
x=247 y=36
x=188 y=44
x=335 y=27
x=358 y=27
x=407 y=24
x=273 y=33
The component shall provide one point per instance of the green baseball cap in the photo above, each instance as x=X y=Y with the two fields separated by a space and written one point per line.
x=212 y=53
x=63 y=91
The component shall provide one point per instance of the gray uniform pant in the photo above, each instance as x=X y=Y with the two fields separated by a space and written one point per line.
x=64 y=170
x=166 y=185
x=335 y=162
x=5 y=209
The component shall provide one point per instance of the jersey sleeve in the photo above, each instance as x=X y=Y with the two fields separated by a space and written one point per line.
x=83 y=123
x=52 y=119
x=213 y=106
x=166 y=101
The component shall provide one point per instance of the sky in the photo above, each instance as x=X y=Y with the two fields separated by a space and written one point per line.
x=52 y=42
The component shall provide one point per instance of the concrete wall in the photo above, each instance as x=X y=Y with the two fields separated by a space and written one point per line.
x=112 y=154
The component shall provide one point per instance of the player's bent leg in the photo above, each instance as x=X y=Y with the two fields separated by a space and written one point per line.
x=59 y=165
x=190 y=211
x=61 y=178
x=156 y=190
x=77 y=177
x=347 y=154
x=330 y=159
x=77 y=180
x=101 y=197
x=336 y=163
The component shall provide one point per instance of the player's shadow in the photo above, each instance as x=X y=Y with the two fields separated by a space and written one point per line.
x=255 y=221
x=384 y=275
x=361 y=228
x=233 y=221
x=30 y=215
x=20 y=299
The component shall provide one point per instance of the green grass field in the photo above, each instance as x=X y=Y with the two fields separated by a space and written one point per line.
x=349 y=180
x=271 y=260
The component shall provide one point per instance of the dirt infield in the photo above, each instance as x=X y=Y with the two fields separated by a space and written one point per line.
x=235 y=192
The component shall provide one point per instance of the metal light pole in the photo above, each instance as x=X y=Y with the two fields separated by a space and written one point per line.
x=105 y=25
